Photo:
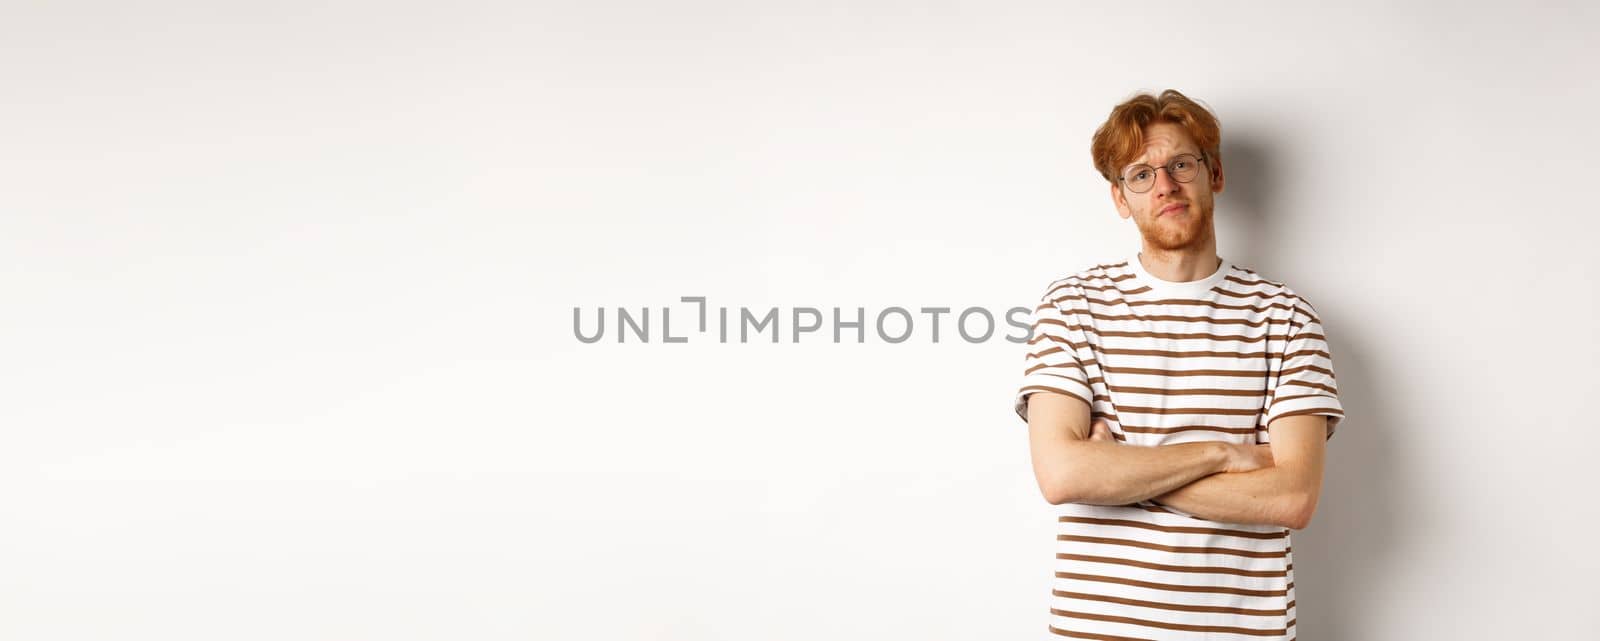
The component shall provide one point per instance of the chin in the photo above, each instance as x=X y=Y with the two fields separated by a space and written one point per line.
x=1173 y=239
x=1177 y=233
x=1168 y=244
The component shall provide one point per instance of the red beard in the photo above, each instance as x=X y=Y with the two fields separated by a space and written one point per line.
x=1191 y=228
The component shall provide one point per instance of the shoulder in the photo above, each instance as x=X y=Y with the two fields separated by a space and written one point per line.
x=1095 y=278
x=1244 y=282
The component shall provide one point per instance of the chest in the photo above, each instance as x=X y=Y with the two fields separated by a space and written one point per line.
x=1167 y=373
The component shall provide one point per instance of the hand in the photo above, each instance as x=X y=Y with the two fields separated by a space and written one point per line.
x=1101 y=431
x=1248 y=457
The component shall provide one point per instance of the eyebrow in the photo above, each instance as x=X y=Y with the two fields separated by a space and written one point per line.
x=1136 y=163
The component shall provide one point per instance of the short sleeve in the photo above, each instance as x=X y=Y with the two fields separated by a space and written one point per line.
x=1051 y=363
x=1306 y=383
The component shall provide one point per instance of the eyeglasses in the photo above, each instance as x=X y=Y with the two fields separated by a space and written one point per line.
x=1183 y=168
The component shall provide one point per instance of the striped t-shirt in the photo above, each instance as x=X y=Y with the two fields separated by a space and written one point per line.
x=1163 y=362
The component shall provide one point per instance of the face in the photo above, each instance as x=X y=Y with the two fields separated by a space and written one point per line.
x=1172 y=215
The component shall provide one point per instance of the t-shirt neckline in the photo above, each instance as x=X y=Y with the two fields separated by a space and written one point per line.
x=1191 y=288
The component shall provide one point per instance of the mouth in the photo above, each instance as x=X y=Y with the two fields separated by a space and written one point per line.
x=1173 y=209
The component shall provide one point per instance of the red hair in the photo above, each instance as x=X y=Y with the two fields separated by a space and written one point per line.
x=1121 y=138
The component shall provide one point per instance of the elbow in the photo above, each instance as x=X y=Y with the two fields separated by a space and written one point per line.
x=1060 y=487
x=1066 y=477
x=1297 y=511
x=1055 y=491
x=1061 y=497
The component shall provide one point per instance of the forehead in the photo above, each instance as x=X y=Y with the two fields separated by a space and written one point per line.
x=1162 y=141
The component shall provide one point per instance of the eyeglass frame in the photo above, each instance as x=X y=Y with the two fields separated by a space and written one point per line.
x=1201 y=158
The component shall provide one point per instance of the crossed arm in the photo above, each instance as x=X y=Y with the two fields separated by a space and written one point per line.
x=1277 y=484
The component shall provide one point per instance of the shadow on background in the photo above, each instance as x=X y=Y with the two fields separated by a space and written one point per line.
x=1244 y=224
x=1339 y=559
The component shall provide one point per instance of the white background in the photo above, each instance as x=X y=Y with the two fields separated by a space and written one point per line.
x=288 y=292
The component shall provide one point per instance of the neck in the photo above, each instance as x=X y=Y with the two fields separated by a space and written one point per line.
x=1181 y=265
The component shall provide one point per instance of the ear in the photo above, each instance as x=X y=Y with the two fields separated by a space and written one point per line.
x=1215 y=166
x=1118 y=199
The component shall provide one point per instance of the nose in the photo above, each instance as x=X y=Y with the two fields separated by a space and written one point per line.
x=1164 y=183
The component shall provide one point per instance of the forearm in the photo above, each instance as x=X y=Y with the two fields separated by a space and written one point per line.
x=1268 y=496
x=1105 y=473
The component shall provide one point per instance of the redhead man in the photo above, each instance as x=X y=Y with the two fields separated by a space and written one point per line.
x=1177 y=407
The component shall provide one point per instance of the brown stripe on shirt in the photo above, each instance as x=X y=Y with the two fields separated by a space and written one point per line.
x=1214 y=589
x=1186 y=549
x=1162 y=605
x=1172 y=528
x=1198 y=569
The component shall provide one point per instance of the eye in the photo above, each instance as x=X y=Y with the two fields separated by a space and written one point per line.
x=1140 y=175
x=1180 y=165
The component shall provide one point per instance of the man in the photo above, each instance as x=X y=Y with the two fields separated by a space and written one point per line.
x=1177 y=407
